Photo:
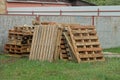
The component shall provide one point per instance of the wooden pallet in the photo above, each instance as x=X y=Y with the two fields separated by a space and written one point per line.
x=85 y=43
x=65 y=52
x=19 y=40
x=16 y=48
x=45 y=45
x=66 y=47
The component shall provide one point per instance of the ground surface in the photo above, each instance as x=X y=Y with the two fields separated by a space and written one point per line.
x=23 y=69
x=113 y=50
x=110 y=54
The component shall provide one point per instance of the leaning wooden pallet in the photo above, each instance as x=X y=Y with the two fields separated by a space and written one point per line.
x=66 y=50
x=84 y=43
x=71 y=50
x=64 y=53
x=45 y=42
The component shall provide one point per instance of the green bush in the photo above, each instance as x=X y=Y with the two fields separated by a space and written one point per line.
x=104 y=2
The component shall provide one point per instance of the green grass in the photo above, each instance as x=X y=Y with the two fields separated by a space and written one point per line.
x=113 y=50
x=23 y=69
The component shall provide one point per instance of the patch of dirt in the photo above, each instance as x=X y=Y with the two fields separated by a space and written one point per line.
x=109 y=54
x=10 y=60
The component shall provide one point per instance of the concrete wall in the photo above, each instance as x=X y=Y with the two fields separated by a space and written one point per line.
x=68 y=19
x=8 y=22
x=108 y=28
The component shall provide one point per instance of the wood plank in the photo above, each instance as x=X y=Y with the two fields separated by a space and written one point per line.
x=82 y=27
x=87 y=43
x=44 y=43
x=89 y=49
x=52 y=42
x=58 y=46
x=47 y=42
x=40 y=32
x=83 y=31
x=37 y=43
x=31 y=57
x=85 y=37
x=90 y=55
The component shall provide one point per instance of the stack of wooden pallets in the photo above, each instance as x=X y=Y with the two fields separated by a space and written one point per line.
x=19 y=41
x=50 y=41
x=53 y=41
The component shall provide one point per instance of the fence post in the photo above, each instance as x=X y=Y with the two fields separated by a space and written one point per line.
x=37 y=18
x=98 y=12
x=60 y=12
x=93 y=20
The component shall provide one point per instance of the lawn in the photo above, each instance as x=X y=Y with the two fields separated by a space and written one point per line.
x=23 y=69
x=113 y=50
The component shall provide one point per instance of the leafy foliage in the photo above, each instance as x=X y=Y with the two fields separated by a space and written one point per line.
x=104 y=2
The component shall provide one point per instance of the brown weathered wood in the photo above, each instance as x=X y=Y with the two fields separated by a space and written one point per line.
x=85 y=37
x=84 y=31
x=70 y=45
x=39 y=36
x=89 y=49
x=58 y=42
x=76 y=54
x=44 y=37
x=47 y=43
x=87 y=43
x=52 y=43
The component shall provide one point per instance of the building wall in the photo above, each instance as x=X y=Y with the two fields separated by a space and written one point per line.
x=12 y=4
x=108 y=28
x=2 y=7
